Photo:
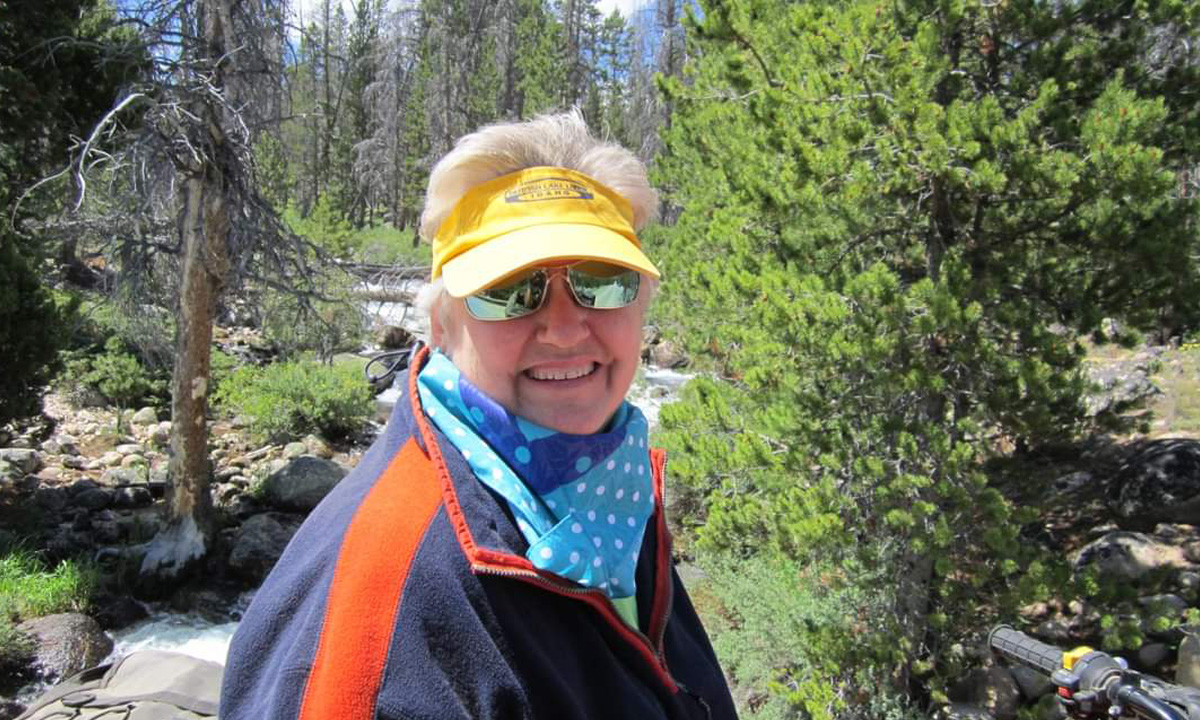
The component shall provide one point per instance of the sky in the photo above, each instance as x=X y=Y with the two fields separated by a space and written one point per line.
x=625 y=6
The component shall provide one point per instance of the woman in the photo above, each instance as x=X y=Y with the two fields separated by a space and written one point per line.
x=501 y=551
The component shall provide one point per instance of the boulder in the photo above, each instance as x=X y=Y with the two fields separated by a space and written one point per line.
x=317 y=446
x=160 y=436
x=68 y=445
x=666 y=354
x=992 y=689
x=132 y=497
x=294 y=450
x=1158 y=482
x=1152 y=656
x=1125 y=555
x=145 y=416
x=95 y=499
x=123 y=476
x=962 y=711
x=130 y=461
x=24 y=459
x=1120 y=385
x=118 y=611
x=392 y=337
x=1032 y=683
x=300 y=484
x=66 y=643
x=259 y=543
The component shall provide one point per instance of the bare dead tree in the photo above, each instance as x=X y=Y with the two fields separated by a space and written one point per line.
x=180 y=203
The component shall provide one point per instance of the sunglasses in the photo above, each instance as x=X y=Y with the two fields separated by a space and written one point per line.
x=594 y=285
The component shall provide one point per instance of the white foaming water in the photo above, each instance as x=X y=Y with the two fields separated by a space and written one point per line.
x=189 y=634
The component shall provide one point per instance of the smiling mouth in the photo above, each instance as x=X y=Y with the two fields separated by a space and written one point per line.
x=563 y=374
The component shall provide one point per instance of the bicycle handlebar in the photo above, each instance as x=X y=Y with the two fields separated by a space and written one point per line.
x=1092 y=683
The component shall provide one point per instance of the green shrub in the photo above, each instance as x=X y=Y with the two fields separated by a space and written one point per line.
x=795 y=637
x=288 y=400
x=115 y=374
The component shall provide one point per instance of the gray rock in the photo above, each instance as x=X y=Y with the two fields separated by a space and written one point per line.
x=1129 y=555
x=1167 y=603
x=132 y=497
x=1032 y=683
x=73 y=462
x=317 y=446
x=160 y=436
x=81 y=486
x=302 y=483
x=294 y=450
x=666 y=354
x=259 y=543
x=26 y=460
x=134 y=460
x=145 y=416
x=123 y=476
x=1120 y=384
x=129 y=449
x=66 y=643
x=962 y=711
x=68 y=445
x=50 y=498
x=1152 y=656
x=111 y=458
x=9 y=472
x=1159 y=482
x=1054 y=632
x=97 y=499
x=993 y=689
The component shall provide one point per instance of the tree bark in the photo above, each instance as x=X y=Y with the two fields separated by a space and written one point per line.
x=205 y=226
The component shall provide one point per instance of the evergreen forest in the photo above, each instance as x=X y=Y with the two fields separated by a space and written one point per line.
x=891 y=234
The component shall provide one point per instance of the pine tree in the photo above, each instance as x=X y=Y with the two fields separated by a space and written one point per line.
x=897 y=220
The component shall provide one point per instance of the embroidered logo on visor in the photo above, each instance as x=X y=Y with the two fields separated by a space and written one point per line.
x=548 y=189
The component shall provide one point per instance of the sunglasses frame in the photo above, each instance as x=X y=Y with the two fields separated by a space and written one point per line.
x=549 y=273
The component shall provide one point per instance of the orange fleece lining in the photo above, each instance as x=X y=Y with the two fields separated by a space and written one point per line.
x=368 y=582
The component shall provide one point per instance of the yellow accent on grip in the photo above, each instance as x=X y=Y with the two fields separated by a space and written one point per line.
x=1070 y=657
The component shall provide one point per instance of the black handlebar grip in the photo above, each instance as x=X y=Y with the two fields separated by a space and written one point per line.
x=1018 y=646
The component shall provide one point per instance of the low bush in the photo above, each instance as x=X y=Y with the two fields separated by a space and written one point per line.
x=115 y=375
x=288 y=400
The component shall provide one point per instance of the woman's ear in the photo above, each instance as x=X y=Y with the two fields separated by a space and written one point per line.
x=439 y=330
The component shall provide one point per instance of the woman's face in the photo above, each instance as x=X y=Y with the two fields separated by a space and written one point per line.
x=564 y=367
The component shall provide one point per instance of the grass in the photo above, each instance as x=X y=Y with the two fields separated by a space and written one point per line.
x=28 y=589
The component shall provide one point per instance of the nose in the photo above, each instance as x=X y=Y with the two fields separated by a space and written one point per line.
x=561 y=321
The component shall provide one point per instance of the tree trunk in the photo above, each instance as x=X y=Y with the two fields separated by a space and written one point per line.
x=178 y=549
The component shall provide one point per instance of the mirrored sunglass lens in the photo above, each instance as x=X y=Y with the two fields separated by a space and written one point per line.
x=511 y=300
x=604 y=286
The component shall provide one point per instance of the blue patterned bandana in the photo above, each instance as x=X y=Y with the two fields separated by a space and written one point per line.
x=582 y=501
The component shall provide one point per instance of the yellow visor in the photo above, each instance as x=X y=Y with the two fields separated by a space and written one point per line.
x=529 y=218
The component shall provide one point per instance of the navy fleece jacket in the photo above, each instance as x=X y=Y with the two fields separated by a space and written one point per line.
x=406 y=595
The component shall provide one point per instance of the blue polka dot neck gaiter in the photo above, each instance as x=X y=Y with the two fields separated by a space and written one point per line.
x=582 y=501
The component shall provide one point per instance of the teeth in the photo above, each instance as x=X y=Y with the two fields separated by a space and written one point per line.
x=562 y=374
